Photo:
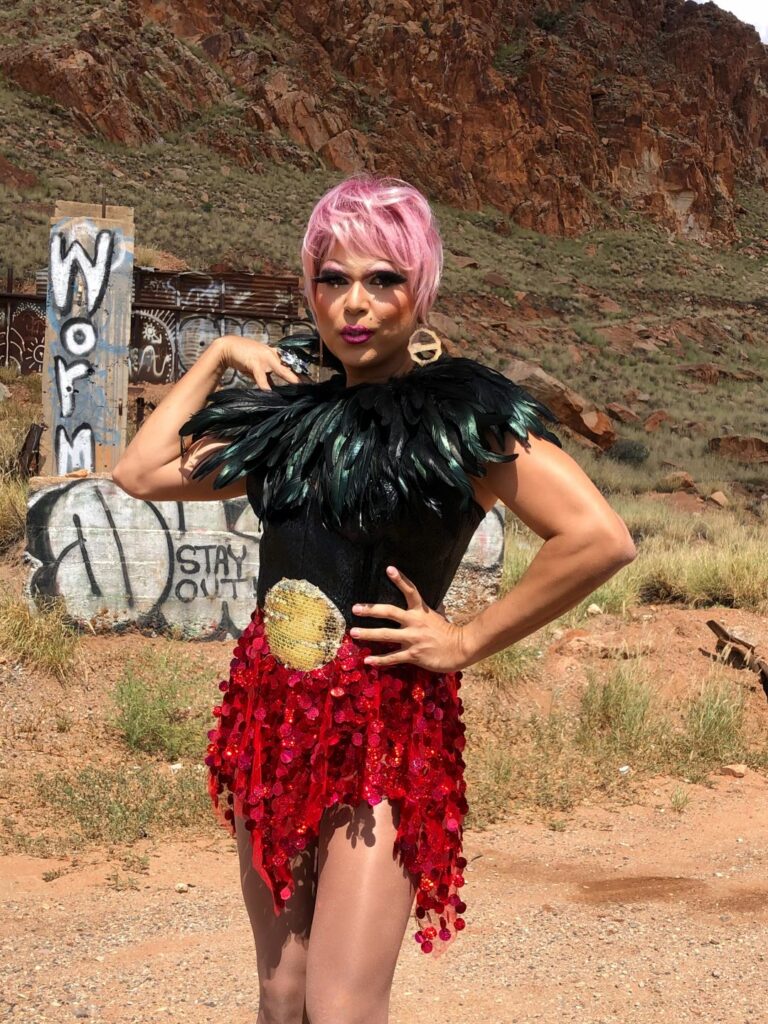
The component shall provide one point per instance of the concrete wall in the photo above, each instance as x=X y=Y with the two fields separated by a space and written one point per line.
x=117 y=561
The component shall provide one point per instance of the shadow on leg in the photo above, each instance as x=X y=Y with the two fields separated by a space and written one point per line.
x=281 y=942
x=362 y=906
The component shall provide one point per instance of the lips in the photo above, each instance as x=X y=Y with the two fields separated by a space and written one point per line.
x=356 y=335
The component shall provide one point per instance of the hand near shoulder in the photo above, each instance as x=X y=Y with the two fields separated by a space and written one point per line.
x=254 y=359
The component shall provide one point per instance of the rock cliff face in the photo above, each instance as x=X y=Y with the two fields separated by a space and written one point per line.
x=557 y=113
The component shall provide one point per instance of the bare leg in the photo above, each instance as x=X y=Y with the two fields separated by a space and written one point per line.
x=281 y=942
x=363 y=902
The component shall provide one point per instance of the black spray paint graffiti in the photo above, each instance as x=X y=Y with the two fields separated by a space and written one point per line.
x=118 y=561
x=75 y=448
x=198 y=563
x=86 y=343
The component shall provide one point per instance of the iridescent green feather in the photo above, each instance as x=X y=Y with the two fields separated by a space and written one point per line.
x=418 y=437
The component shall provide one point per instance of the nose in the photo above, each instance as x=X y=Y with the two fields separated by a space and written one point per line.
x=356 y=300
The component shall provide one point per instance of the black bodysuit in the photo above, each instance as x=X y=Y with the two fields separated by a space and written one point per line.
x=346 y=481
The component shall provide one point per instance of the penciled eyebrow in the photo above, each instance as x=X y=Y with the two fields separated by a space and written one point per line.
x=338 y=269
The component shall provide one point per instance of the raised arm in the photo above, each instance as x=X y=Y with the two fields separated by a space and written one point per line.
x=152 y=465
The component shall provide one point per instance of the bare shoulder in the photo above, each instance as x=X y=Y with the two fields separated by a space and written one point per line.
x=548 y=490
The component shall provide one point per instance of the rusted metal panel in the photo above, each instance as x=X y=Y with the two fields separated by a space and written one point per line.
x=235 y=294
x=22 y=332
x=174 y=317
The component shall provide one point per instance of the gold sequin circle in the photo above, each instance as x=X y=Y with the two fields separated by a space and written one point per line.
x=303 y=627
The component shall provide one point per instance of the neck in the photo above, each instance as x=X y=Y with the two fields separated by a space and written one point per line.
x=397 y=365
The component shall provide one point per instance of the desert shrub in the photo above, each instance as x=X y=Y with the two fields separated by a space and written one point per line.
x=632 y=452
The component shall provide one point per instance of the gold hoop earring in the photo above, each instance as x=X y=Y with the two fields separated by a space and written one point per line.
x=424 y=346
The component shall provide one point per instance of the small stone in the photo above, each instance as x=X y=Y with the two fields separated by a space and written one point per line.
x=594 y=609
x=736 y=771
x=181 y=887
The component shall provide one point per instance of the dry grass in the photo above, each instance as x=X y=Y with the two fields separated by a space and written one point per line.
x=162 y=704
x=717 y=558
x=13 y=511
x=621 y=732
x=41 y=639
x=125 y=803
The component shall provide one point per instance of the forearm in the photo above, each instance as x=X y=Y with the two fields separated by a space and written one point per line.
x=157 y=442
x=565 y=569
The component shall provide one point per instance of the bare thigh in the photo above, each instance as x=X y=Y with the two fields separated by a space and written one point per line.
x=362 y=906
x=281 y=941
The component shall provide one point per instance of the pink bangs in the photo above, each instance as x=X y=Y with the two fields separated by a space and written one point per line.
x=377 y=216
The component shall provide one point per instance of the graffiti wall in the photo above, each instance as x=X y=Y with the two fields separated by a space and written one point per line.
x=85 y=372
x=165 y=343
x=22 y=333
x=174 y=318
x=118 y=561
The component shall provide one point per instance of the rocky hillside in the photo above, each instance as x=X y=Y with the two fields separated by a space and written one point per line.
x=558 y=114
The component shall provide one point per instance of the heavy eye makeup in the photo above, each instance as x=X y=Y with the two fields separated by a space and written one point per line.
x=379 y=278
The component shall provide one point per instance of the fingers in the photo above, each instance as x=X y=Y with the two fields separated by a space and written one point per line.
x=287 y=374
x=383 y=635
x=381 y=611
x=261 y=380
x=282 y=370
x=395 y=658
x=412 y=596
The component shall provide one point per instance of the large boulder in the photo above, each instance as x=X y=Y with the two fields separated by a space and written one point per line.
x=571 y=408
x=740 y=448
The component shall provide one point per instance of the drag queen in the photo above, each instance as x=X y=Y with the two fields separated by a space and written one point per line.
x=336 y=758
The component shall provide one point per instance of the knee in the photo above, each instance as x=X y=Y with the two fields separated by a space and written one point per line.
x=281 y=1002
x=341 y=1007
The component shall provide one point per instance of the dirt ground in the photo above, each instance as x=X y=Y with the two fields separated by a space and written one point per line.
x=633 y=913
x=636 y=915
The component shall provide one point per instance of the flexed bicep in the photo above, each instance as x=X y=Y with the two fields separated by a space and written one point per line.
x=548 y=490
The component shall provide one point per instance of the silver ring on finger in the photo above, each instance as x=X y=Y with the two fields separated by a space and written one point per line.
x=293 y=361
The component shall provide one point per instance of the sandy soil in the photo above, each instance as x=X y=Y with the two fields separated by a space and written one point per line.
x=632 y=914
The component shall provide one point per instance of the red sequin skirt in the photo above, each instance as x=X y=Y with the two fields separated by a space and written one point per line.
x=291 y=743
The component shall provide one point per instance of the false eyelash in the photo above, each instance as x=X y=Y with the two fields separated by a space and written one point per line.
x=391 y=277
x=388 y=276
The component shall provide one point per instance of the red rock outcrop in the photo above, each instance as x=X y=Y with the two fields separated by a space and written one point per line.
x=572 y=409
x=742 y=449
x=550 y=113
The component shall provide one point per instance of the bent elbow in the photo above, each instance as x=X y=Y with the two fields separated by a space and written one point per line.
x=625 y=554
x=127 y=480
x=618 y=548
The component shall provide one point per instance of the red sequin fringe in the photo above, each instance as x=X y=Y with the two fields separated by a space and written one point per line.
x=290 y=743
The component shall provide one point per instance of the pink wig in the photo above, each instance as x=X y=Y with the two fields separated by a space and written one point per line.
x=377 y=216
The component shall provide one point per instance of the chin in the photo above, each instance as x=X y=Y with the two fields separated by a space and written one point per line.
x=360 y=355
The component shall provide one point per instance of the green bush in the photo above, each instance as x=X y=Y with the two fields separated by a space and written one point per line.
x=162 y=708
x=632 y=452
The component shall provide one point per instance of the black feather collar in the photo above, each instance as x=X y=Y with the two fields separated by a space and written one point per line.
x=412 y=441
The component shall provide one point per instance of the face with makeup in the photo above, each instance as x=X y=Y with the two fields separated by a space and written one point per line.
x=364 y=309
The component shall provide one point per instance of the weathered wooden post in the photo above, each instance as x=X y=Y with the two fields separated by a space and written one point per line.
x=85 y=369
